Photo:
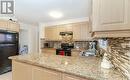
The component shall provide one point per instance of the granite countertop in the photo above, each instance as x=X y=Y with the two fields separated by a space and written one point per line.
x=74 y=52
x=86 y=67
x=81 y=49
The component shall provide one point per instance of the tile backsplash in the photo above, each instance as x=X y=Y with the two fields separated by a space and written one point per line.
x=57 y=44
x=119 y=54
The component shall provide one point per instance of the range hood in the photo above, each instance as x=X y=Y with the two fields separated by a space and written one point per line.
x=66 y=33
x=67 y=37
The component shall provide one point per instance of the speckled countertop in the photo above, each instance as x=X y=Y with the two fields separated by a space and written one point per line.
x=87 y=67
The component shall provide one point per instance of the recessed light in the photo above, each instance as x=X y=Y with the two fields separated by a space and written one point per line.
x=56 y=14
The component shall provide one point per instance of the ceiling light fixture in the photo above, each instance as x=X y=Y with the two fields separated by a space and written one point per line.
x=56 y=14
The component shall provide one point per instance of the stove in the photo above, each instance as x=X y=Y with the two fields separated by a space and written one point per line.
x=63 y=52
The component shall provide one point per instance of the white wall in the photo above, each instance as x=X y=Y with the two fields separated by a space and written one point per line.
x=41 y=30
x=29 y=37
x=41 y=35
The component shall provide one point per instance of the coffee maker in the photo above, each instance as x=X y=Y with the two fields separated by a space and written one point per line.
x=66 y=44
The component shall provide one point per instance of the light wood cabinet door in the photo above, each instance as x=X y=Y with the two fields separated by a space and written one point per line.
x=81 y=31
x=51 y=33
x=69 y=27
x=111 y=15
x=9 y=25
x=77 y=32
x=45 y=74
x=85 y=33
x=3 y=25
x=13 y=26
x=47 y=33
x=21 y=71
x=56 y=33
x=71 y=77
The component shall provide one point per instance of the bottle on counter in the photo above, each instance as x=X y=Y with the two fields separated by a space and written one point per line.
x=106 y=62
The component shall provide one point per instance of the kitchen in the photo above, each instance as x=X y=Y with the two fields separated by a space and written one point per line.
x=57 y=41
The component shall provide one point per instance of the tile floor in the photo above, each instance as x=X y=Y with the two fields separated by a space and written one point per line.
x=6 y=76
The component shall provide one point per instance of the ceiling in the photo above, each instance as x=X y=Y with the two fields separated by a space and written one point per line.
x=35 y=11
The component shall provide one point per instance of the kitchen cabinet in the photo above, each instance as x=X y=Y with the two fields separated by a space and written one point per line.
x=69 y=27
x=77 y=32
x=80 y=31
x=110 y=15
x=71 y=77
x=47 y=33
x=50 y=33
x=45 y=74
x=85 y=33
x=54 y=33
x=9 y=25
x=3 y=25
x=13 y=26
x=25 y=71
x=21 y=71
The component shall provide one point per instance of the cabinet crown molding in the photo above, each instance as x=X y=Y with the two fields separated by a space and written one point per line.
x=110 y=34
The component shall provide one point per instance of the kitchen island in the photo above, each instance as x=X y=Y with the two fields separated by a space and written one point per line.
x=54 y=67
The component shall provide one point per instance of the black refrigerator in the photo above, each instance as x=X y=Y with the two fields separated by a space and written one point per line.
x=9 y=46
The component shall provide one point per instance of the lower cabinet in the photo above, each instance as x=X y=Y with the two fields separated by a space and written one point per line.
x=70 y=77
x=23 y=71
x=45 y=74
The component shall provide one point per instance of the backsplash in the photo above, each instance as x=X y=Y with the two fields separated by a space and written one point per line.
x=119 y=54
x=57 y=44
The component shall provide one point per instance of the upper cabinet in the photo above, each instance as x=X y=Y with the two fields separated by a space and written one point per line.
x=13 y=26
x=3 y=25
x=110 y=15
x=50 y=33
x=9 y=25
x=85 y=33
x=76 y=32
x=80 y=31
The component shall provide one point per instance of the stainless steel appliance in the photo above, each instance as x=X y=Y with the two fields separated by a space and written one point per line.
x=8 y=47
